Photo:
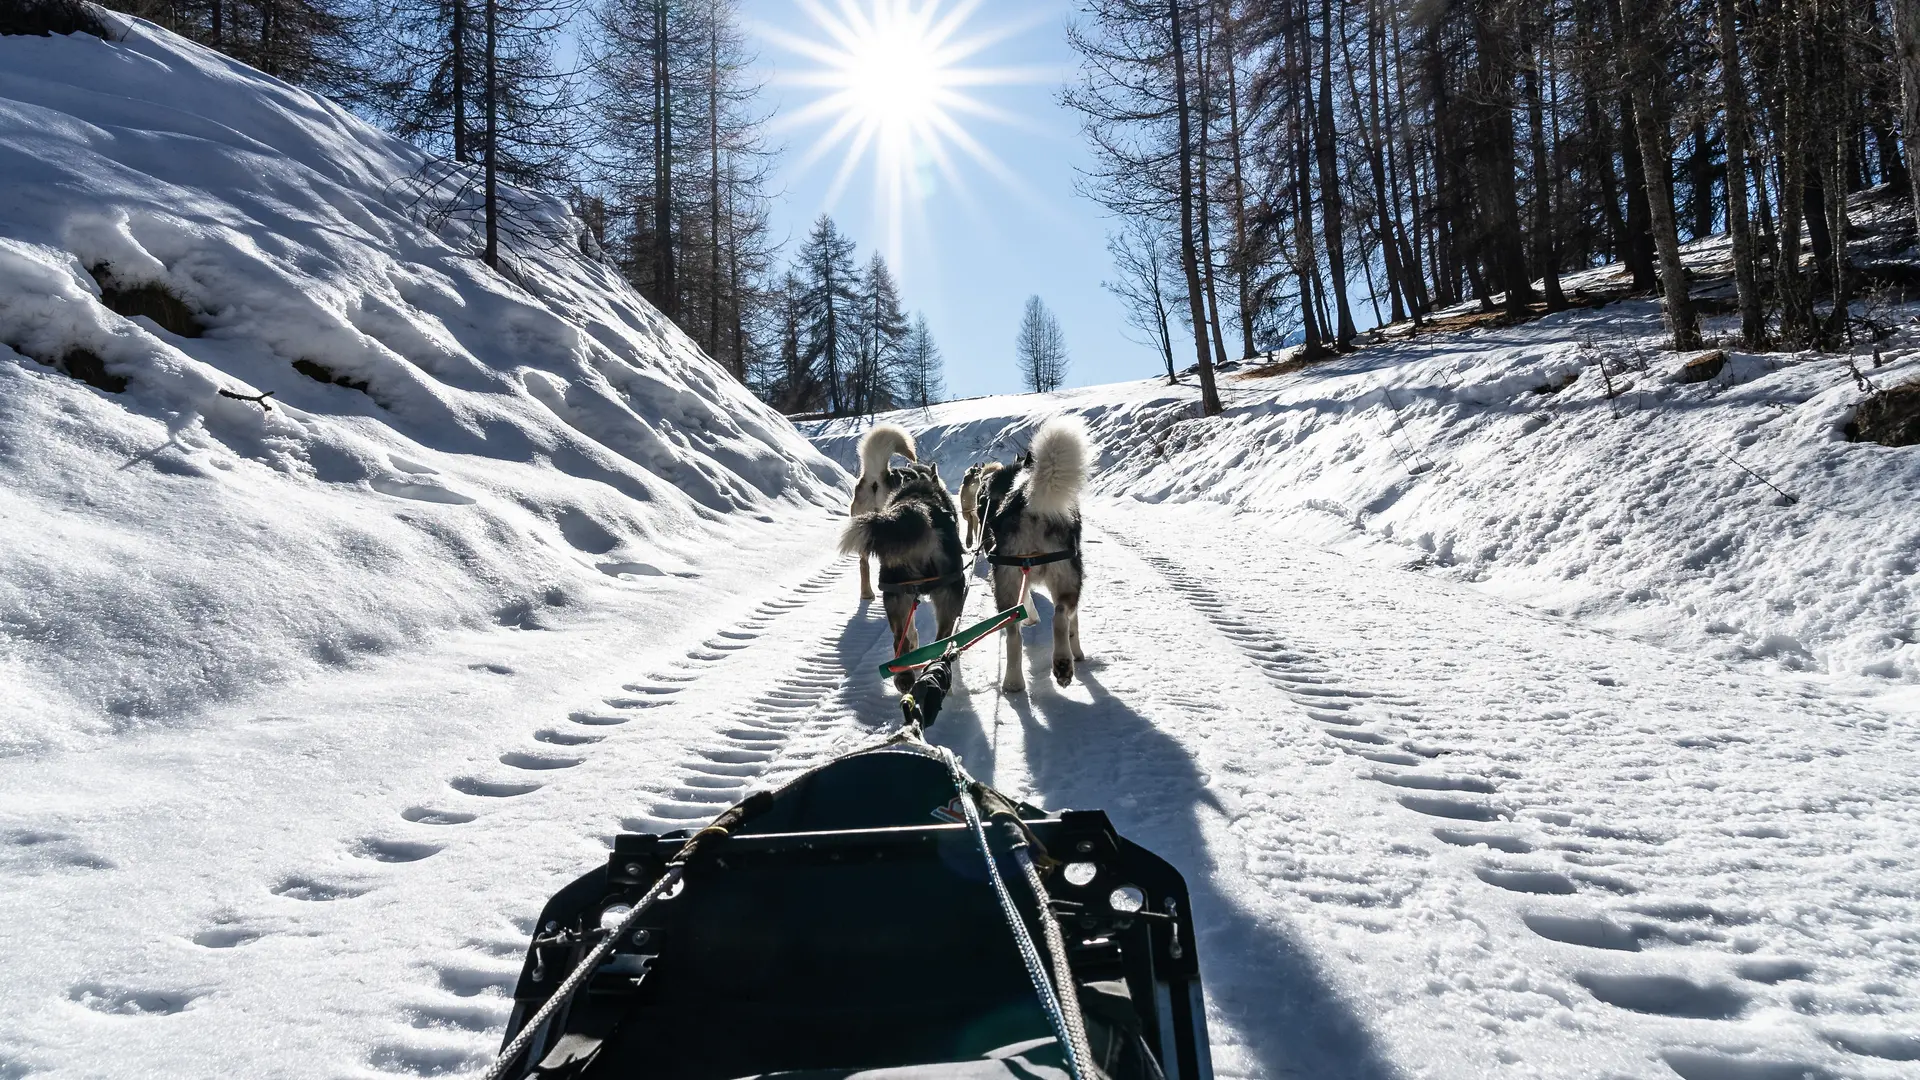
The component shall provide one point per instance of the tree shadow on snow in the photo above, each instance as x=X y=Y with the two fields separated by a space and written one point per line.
x=1103 y=754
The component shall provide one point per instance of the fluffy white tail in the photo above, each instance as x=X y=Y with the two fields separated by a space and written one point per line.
x=1059 y=469
x=878 y=446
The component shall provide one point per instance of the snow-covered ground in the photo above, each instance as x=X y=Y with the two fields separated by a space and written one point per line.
x=512 y=447
x=1499 y=734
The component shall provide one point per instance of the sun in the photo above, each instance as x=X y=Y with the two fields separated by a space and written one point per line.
x=894 y=84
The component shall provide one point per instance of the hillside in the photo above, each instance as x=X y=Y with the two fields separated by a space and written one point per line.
x=444 y=447
x=1565 y=462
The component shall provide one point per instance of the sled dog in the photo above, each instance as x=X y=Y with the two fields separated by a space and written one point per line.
x=878 y=480
x=1031 y=534
x=915 y=534
x=973 y=491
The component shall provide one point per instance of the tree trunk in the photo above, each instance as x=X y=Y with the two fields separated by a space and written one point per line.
x=713 y=177
x=1545 y=258
x=1243 y=301
x=1202 y=56
x=493 y=141
x=663 y=262
x=1734 y=99
x=1331 y=207
x=1651 y=123
x=1209 y=395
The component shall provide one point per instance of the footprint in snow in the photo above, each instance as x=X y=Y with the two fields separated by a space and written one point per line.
x=1772 y=969
x=305 y=888
x=1536 y=882
x=121 y=1001
x=497 y=669
x=469 y=982
x=226 y=937
x=1665 y=995
x=491 y=789
x=404 y=1060
x=475 y=1018
x=1587 y=932
x=1456 y=809
x=565 y=738
x=395 y=851
x=1703 y=1065
x=538 y=762
x=597 y=719
x=1512 y=845
x=1886 y=1045
x=425 y=815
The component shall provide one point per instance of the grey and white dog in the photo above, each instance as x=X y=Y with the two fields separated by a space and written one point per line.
x=973 y=490
x=916 y=536
x=878 y=480
x=1031 y=511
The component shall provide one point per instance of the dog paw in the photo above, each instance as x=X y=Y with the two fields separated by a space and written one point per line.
x=1063 y=671
x=1013 y=686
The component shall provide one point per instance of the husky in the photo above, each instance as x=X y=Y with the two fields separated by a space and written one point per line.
x=1033 y=514
x=973 y=492
x=878 y=480
x=916 y=536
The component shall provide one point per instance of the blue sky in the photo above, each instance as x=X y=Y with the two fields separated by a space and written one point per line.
x=970 y=253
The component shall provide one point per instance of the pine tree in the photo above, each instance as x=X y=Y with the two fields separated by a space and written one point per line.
x=829 y=302
x=926 y=381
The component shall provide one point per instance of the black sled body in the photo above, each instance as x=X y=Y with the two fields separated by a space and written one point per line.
x=852 y=928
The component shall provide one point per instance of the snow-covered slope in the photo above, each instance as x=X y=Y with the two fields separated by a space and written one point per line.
x=447 y=446
x=1497 y=456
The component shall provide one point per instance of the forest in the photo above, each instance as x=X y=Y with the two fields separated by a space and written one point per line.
x=1280 y=172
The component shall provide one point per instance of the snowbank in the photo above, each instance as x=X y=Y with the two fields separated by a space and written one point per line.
x=1498 y=456
x=446 y=446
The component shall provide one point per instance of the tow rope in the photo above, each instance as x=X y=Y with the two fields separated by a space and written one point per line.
x=960 y=642
x=917 y=588
x=750 y=807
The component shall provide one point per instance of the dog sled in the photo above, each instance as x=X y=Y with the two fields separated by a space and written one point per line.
x=883 y=916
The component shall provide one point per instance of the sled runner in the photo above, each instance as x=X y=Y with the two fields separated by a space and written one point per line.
x=884 y=916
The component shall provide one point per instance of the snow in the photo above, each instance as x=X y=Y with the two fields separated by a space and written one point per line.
x=1498 y=734
x=525 y=443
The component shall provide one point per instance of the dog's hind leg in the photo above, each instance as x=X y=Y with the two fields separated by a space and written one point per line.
x=1073 y=635
x=1066 y=614
x=1006 y=593
x=906 y=637
x=866 y=579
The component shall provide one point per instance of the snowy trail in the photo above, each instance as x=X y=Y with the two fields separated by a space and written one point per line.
x=1436 y=835
x=1428 y=833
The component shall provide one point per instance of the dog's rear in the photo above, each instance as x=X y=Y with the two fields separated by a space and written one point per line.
x=973 y=499
x=916 y=537
x=1034 y=509
x=877 y=480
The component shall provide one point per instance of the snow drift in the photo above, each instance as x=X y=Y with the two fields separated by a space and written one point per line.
x=445 y=445
x=1566 y=462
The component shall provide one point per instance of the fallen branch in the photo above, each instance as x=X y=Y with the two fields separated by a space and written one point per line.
x=257 y=399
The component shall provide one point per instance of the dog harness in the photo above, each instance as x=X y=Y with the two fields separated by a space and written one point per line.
x=1028 y=562
x=917 y=588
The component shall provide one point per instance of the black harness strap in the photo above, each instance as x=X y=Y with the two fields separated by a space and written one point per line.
x=922 y=586
x=1028 y=562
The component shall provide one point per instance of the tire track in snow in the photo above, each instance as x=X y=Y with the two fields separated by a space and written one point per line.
x=1619 y=917
x=815 y=710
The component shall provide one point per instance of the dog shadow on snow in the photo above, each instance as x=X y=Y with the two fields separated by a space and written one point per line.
x=1101 y=753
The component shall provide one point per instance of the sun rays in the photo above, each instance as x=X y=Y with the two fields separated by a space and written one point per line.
x=894 y=82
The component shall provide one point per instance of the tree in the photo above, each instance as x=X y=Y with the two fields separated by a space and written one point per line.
x=881 y=328
x=1040 y=349
x=829 y=304
x=925 y=381
x=1145 y=284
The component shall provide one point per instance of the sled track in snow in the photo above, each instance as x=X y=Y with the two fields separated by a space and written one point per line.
x=813 y=710
x=1545 y=858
